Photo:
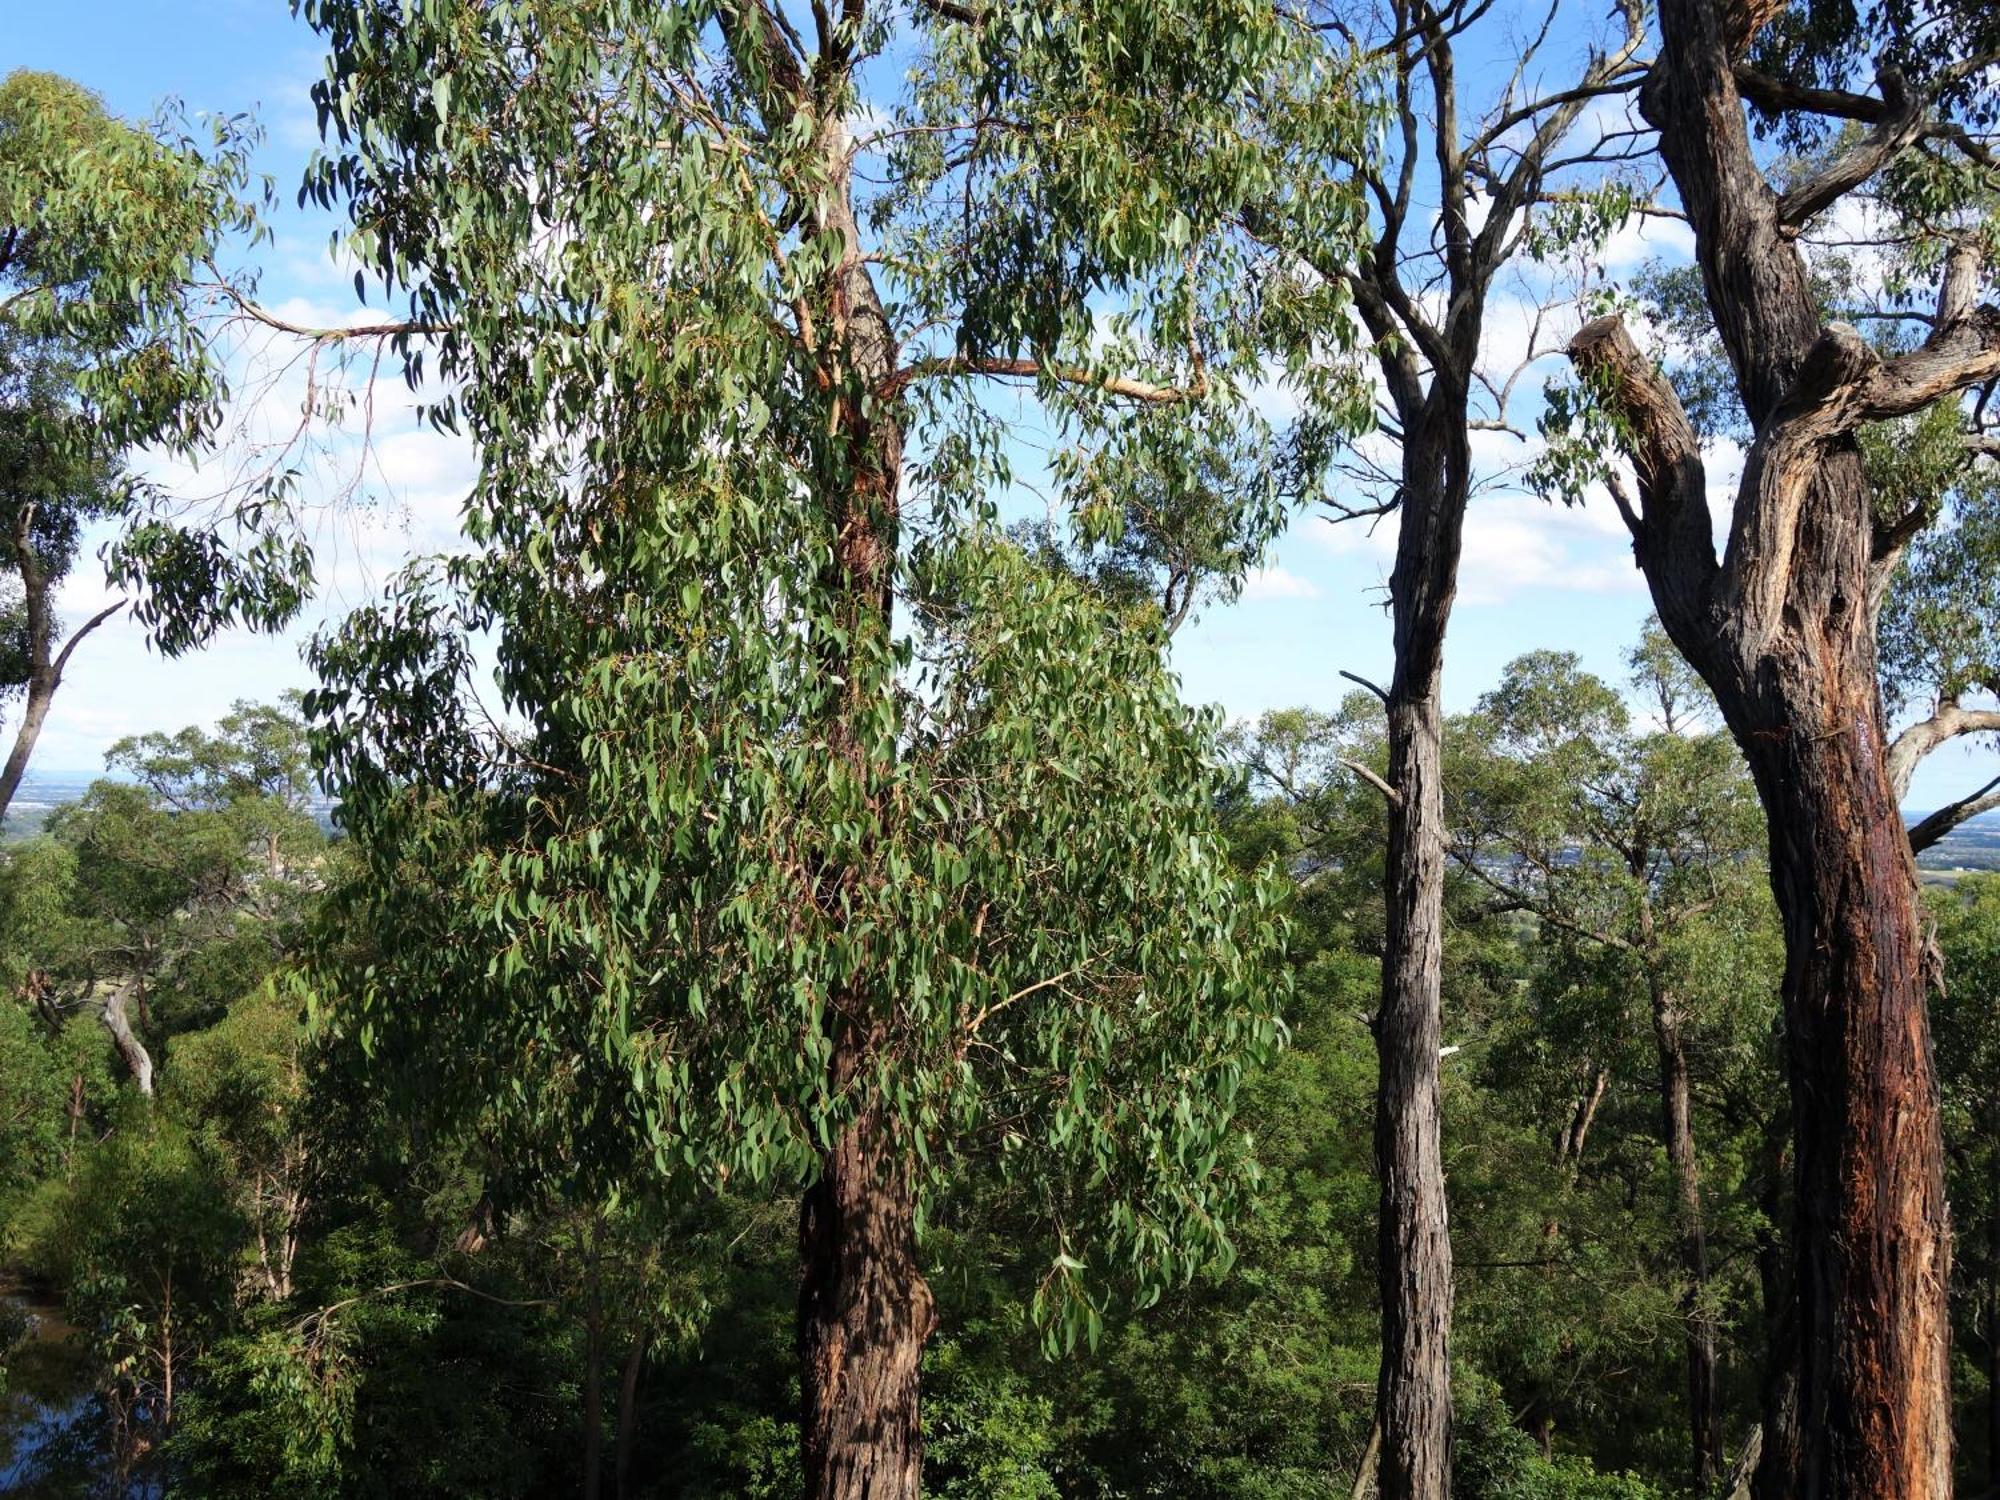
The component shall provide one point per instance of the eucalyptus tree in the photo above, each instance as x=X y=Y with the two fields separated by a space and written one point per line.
x=827 y=838
x=52 y=483
x=1938 y=633
x=109 y=236
x=1783 y=628
x=1475 y=172
x=1636 y=844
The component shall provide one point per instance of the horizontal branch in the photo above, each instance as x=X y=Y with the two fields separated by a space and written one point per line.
x=1901 y=123
x=958 y=366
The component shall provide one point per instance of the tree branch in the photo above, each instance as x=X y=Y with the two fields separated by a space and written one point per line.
x=1902 y=122
x=1393 y=797
x=1029 y=369
x=1908 y=749
x=1930 y=829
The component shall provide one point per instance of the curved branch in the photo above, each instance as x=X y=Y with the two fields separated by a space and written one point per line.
x=1908 y=749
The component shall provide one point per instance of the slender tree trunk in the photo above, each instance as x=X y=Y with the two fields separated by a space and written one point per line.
x=1993 y=1348
x=593 y=1379
x=45 y=663
x=41 y=693
x=1775 y=1467
x=865 y=1312
x=1570 y=1142
x=1414 y=1259
x=628 y=1412
x=1677 y=1120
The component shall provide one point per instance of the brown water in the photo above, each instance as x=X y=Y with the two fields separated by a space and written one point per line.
x=54 y=1434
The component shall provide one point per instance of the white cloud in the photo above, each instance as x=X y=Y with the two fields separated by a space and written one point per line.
x=1278 y=583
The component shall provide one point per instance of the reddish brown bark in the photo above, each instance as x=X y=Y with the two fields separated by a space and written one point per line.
x=865 y=1313
x=1783 y=629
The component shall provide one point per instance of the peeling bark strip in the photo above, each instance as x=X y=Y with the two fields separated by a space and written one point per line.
x=1783 y=630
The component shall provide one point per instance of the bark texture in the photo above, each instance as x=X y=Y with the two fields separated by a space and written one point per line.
x=1414 y=1240
x=1783 y=629
x=865 y=1312
x=865 y=1309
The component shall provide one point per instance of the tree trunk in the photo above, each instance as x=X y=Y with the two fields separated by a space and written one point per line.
x=1414 y=1261
x=865 y=1309
x=1993 y=1349
x=1782 y=627
x=119 y=1024
x=1677 y=1119
x=1775 y=1466
x=628 y=1413
x=41 y=693
x=593 y=1378
x=1873 y=1256
x=1570 y=1140
x=865 y=1312
x=45 y=663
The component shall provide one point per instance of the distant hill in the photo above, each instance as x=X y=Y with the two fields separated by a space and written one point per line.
x=42 y=792
x=1970 y=846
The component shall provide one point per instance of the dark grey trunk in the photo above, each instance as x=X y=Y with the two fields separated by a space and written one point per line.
x=628 y=1413
x=1414 y=1256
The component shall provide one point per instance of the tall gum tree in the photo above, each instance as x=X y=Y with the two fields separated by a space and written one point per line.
x=1454 y=199
x=1783 y=628
x=829 y=838
x=112 y=315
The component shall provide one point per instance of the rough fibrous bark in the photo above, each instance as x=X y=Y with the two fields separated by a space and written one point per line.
x=1414 y=1259
x=1783 y=629
x=865 y=1312
x=865 y=1309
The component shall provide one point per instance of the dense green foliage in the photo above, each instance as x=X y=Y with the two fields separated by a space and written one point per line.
x=412 y=1088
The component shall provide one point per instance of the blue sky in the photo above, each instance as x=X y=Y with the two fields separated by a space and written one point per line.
x=1534 y=576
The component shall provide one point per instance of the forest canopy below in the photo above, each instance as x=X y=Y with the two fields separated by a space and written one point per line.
x=743 y=974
